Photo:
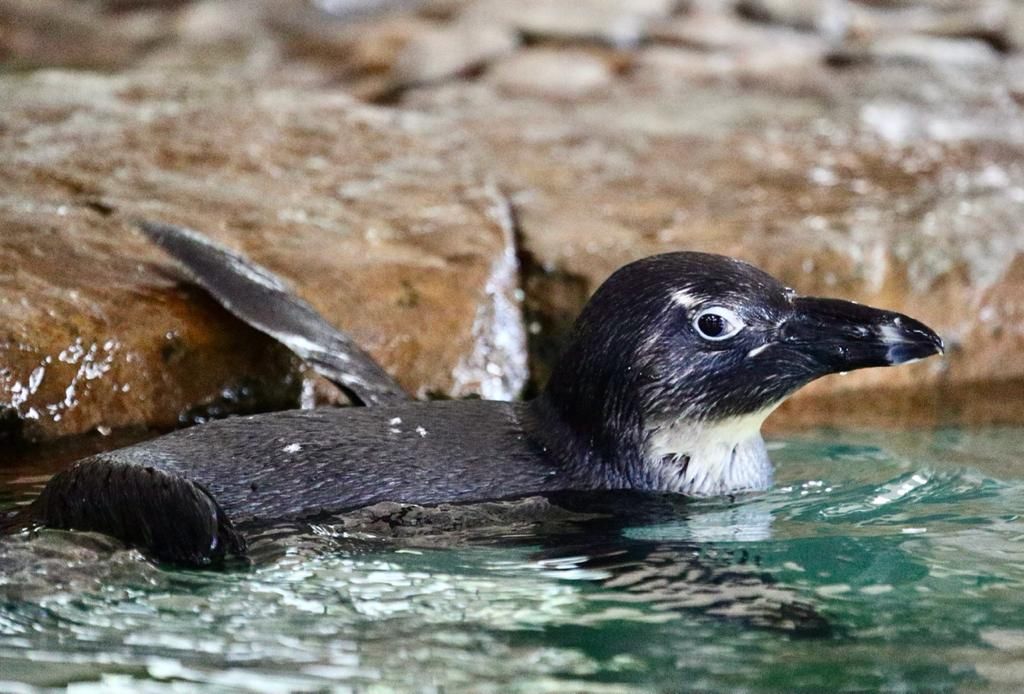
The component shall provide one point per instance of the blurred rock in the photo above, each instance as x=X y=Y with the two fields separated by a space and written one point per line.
x=615 y=22
x=37 y=33
x=362 y=54
x=831 y=18
x=449 y=51
x=992 y=21
x=936 y=50
x=713 y=31
x=789 y=66
x=1014 y=70
x=1014 y=27
x=556 y=74
x=377 y=58
x=389 y=234
x=359 y=9
x=730 y=50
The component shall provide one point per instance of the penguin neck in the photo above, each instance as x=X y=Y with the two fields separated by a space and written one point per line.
x=608 y=442
x=708 y=458
x=598 y=440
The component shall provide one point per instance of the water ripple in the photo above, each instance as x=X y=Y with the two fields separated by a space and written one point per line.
x=899 y=560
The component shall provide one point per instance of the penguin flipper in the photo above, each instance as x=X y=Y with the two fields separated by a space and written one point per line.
x=264 y=301
x=165 y=515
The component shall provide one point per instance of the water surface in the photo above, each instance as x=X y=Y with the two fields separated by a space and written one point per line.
x=889 y=562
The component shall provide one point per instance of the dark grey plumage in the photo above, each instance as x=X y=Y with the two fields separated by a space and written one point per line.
x=185 y=495
x=671 y=368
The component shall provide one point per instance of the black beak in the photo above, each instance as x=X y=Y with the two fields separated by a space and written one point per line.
x=842 y=336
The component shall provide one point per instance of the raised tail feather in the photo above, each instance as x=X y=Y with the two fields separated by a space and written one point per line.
x=264 y=301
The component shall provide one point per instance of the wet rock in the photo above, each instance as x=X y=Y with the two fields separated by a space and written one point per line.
x=95 y=336
x=389 y=233
x=55 y=563
x=556 y=74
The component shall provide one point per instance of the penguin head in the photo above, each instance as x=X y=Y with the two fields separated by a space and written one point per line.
x=696 y=340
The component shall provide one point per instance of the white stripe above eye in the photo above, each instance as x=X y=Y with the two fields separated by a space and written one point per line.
x=685 y=299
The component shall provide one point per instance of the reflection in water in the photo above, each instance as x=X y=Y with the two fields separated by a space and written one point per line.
x=750 y=522
x=679 y=577
x=615 y=592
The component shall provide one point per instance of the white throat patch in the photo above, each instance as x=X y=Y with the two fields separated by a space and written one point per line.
x=709 y=458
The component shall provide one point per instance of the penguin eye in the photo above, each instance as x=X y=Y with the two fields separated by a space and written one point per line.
x=717 y=323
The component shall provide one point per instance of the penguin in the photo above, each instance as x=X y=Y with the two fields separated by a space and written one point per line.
x=672 y=367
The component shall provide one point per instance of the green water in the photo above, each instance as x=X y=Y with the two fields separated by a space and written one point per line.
x=901 y=555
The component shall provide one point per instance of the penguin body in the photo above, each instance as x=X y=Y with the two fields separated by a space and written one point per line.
x=672 y=367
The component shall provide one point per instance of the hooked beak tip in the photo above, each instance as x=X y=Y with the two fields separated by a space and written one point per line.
x=842 y=336
x=909 y=343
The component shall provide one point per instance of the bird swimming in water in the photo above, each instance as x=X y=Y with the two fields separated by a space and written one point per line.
x=672 y=366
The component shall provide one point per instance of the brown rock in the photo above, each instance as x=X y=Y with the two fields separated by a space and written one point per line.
x=362 y=54
x=390 y=234
x=51 y=33
x=710 y=44
x=96 y=336
x=451 y=50
x=378 y=57
x=888 y=187
x=892 y=176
